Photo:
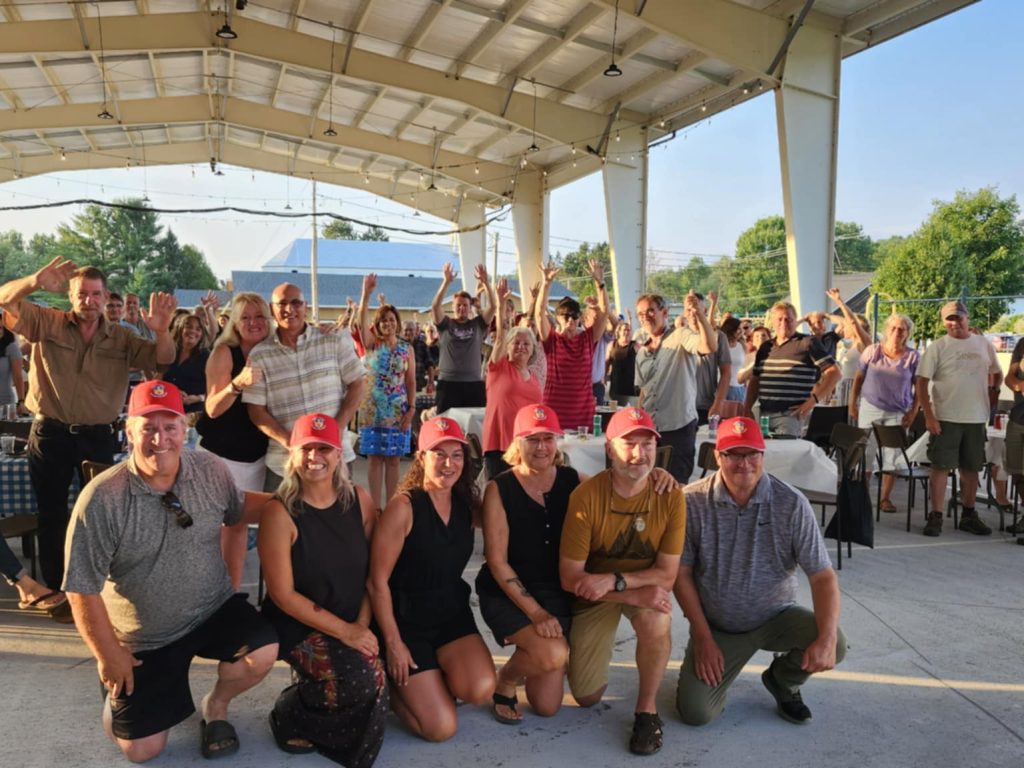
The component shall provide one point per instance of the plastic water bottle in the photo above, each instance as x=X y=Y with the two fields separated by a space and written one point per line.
x=597 y=425
x=765 y=430
x=191 y=437
x=713 y=424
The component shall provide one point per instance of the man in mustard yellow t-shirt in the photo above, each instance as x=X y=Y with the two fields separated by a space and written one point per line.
x=620 y=551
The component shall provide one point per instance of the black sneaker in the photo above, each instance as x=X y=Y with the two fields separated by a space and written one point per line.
x=647 y=734
x=1018 y=528
x=933 y=525
x=973 y=524
x=790 y=705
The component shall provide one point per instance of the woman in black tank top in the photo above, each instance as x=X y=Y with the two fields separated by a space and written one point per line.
x=420 y=602
x=313 y=545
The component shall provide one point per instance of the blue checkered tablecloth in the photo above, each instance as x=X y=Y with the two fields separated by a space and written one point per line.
x=16 y=494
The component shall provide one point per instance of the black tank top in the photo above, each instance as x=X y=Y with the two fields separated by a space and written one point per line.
x=232 y=435
x=426 y=583
x=330 y=564
x=622 y=380
x=534 y=530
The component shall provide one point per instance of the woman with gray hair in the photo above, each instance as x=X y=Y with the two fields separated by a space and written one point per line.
x=883 y=390
x=225 y=428
x=510 y=385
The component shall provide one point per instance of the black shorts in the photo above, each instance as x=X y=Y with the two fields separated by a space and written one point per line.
x=504 y=618
x=428 y=621
x=162 y=697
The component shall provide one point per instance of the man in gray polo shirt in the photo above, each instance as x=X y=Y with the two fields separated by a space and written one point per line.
x=666 y=373
x=746 y=533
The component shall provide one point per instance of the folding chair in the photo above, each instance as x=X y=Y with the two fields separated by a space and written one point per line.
x=893 y=437
x=823 y=418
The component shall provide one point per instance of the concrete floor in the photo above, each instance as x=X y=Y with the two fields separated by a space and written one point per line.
x=934 y=676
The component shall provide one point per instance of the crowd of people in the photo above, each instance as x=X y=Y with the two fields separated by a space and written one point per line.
x=366 y=596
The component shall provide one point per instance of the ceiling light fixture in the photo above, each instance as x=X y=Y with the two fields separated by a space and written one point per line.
x=613 y=70
x=63 y=156
x=103 y=114
x=226 y=32
x=330 y=132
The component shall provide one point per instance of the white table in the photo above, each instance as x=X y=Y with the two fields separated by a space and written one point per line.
x=995 y=451
x=470 y=419
x=797 y=462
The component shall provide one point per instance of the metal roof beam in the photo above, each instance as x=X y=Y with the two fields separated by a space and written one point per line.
x=487 y=35
x=422 y=28
x=558 y=41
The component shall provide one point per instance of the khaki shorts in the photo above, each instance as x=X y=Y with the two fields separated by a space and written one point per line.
x=591 y=640
x=960 y=446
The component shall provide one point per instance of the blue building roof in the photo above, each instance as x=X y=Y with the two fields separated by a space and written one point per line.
x=357 y=257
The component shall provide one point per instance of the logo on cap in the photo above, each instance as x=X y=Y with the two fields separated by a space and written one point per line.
x=539 y=414
x=442 y=425
x=319 y=423
x=739 y=427
x=636 y=415
x=158 y=390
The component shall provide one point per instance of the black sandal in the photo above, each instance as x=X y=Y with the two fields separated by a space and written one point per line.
x=647 y=734
x=283 y=741
x=505 y=701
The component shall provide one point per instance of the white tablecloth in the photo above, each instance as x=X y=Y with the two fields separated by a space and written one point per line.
x=797 y=462
x=470 y=419
x=995 y=450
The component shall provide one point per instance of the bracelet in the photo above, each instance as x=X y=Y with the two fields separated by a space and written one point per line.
x=235 y=388
x=600 y=285
x=815 y=397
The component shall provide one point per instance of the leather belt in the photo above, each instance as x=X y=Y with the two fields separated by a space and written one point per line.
x=78 y=429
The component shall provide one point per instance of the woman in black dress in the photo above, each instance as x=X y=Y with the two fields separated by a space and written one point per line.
x=188 y=371
x=314 y=546
x=521 y=598
x=622 y=366
x=420 y=602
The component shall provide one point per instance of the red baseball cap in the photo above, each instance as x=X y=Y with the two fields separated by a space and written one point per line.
x=315 y=428
x=154 y=396
x=536 y=419
x=630 y=420
x=439 y=429
x=739 y=432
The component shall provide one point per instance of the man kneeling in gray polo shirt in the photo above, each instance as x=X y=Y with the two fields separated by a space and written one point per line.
x=746 y=532
x=149 y=589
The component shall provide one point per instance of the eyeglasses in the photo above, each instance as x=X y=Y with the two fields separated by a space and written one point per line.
x=737 y=458
x=293 y=303
x=570 y=315
x=172 y=504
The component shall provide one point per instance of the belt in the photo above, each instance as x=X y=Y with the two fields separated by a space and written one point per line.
x=77 y=429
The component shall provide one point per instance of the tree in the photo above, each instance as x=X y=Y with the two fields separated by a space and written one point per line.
x=574 y=268
x=675 y=283
x=759 y=274
x=340 y=229
x=973 y=243
x=176 y=266
x=854 y=250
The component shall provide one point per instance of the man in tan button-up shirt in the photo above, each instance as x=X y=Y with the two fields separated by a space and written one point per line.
x=78 y=380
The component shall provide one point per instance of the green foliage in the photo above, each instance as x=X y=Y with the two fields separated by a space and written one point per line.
x=973 y=243
x=574 y=269
x=338 y=229
x=759 y=275
x=854 y=250
x=130 y=246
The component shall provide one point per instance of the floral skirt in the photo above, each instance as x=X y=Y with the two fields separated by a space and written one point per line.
x=340 y=702
x=384 y=441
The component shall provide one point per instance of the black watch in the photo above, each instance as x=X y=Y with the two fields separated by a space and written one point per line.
x=620 y=582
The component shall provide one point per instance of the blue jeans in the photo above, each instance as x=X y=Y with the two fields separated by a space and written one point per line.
x=10 y=566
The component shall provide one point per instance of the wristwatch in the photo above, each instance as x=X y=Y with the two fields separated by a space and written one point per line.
x=620 y=582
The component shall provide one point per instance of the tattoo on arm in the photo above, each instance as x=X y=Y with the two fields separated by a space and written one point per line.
x=515 y=582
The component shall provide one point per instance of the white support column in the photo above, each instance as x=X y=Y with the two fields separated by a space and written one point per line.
x=530 y=222
x=625 y=199
x=807 y=111
x=472 y=245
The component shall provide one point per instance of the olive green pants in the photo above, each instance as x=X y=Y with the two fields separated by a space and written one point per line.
x=788 y=633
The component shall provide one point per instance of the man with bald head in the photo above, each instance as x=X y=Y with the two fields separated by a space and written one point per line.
x=304 y=371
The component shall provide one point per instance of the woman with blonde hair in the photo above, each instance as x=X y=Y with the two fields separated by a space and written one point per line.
x=314 y=546
x=225 y=428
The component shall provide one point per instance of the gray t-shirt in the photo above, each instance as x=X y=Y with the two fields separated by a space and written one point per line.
x=158 y=581
x=744 y=560
x=707 y=372
x=667 y=379
x=461 y=344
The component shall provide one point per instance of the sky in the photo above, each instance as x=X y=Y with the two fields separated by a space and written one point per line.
x=922 y=116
